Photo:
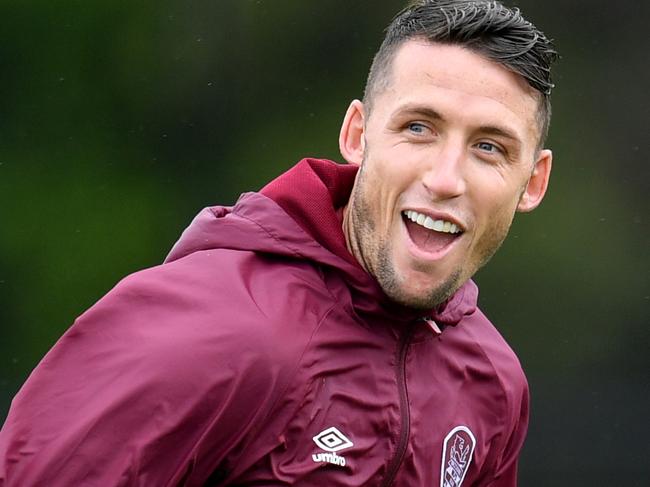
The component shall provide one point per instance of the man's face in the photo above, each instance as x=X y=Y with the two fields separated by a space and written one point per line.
x=448 y=154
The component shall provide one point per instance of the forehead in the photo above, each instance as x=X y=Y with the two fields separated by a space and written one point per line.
x=421 y=68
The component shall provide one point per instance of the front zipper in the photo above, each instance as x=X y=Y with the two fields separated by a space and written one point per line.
x=405 y=418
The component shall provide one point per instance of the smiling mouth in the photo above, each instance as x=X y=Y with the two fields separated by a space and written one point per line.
x=428 y=234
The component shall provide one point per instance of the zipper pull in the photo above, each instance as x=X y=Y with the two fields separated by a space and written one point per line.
x=433 y=326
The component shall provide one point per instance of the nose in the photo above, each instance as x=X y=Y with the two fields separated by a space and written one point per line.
x=444 y=177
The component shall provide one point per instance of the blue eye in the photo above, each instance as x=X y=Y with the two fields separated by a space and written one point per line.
x=417 y=128
x=486 y=146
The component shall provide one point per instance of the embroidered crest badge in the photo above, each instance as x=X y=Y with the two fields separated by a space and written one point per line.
x=457 y=453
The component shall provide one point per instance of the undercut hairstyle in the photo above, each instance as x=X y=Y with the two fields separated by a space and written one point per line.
x=485 y=27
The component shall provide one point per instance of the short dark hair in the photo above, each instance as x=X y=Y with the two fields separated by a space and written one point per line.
x=486 y=27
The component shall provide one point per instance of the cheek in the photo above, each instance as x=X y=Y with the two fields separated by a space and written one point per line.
x=370 y=195
x=384 y=182
x=495 y=207
x=393 y=161
x=496 y=222
x=496 y=191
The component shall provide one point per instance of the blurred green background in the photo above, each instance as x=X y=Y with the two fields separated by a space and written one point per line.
x=120 y=120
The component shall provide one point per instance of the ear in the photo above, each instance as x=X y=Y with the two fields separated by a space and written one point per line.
x=352 y=143
x=538 y=182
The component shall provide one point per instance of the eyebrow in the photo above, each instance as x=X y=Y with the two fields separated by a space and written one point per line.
x=500 y=132
x=418 y=110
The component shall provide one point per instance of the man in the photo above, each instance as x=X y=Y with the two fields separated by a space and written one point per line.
x=324 y=331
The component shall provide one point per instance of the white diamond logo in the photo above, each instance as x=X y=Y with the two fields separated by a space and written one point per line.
x=332 y=440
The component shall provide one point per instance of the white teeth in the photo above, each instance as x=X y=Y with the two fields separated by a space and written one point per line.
x=431 y=224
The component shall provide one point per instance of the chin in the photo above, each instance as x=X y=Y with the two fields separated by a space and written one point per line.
x=424 y=297
x=416 y=288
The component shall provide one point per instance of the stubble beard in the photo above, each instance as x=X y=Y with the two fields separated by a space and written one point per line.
x=430 y=299
x=376 y=256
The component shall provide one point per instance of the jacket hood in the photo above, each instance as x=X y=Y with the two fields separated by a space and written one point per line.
x=297 y=216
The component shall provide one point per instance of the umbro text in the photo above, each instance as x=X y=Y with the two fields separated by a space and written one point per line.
x=332 y=458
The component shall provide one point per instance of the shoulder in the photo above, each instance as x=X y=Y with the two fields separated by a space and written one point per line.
x=498 y=385
x=213 y=303
x=495 y=351
x=514 y=393
x=497 y=389
x=180 y=357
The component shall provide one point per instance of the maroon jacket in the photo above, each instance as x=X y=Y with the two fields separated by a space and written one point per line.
x=261 y=353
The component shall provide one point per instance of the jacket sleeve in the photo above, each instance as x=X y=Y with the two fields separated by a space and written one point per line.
x=152 y=386
x=505 y=474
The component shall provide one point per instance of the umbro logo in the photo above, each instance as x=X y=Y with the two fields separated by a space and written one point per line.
x=331 y=440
